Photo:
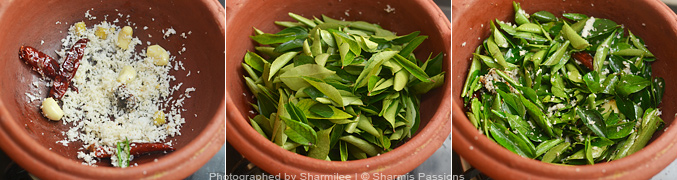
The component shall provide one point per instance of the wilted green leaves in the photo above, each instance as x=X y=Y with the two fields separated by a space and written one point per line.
x=572 y=90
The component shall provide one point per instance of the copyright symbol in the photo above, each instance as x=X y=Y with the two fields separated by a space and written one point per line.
x=365 y=175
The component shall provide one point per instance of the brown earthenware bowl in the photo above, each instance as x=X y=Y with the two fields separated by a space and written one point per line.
x=30 y=139
x=409 y=16
x=650 y=19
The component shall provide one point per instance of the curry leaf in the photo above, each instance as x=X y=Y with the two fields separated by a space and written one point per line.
x=412 y=68
x=629 y=84
x=321 y=149
x=347 y=56
x=592 y=80
x=373 y=66
x=513 y=101
x=303 y=59
x=326 y=89
x=300 y=132
x=555 y=153
x=254 y=60
x=588 y=151
x=289 y=45
x=336 y=133
x=657 y=89
x=342 y=38
x=385 y=140
x=628 y=108
x=299 y=32
x=610 y=84
x=391 y=112
x=406 y=38
x=619 y=130
x=273 y=38
x=280 y=62
x=601 y=26
x=373 y=81
x=295 y=113
x=544 y=16
x=575 y=16
x=538 y=116
x=266 y=105
x=257 y=128
x=306 y=104
x=313 y=92
x=499 y=134
x=593 y=120
x=322 y=110
x=433 y=66
x=296 y=137
x=546 y=145
x=412 y=45
x=344 y=151
x=293 y=78
x=424 y=87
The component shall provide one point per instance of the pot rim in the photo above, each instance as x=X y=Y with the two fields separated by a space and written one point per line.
x=495 y=160
x=43 y=163
x=277 y=161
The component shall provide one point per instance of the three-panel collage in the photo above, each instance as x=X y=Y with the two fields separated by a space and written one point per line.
x=337 y=89
x=249 y=89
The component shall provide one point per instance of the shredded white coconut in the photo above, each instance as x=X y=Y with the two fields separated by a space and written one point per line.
x=389 y=9
x=168 y=32
x=588 y=27
x=95 y=112
x=521 y=11
x=188 y=90
x=627 y=67
x=32 y=97
x=523 y=52
x=89 y=16
x=491 y=76
x=552 y=109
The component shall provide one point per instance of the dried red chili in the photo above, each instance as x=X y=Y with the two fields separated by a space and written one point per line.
x=135 y=149
x=47 y=66
x=583 y=57
x=59 y=87
x=40 y=62
x=73 y=56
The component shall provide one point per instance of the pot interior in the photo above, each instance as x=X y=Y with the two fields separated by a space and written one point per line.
x=406 y=18
x=203 y=58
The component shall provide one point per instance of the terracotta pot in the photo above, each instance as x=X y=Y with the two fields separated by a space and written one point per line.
x=409 y=16
x=650 y=19
x=29 y=22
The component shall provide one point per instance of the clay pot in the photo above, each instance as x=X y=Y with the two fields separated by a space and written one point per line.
x=409 y=16
x=650 y=19
x=30 y=139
